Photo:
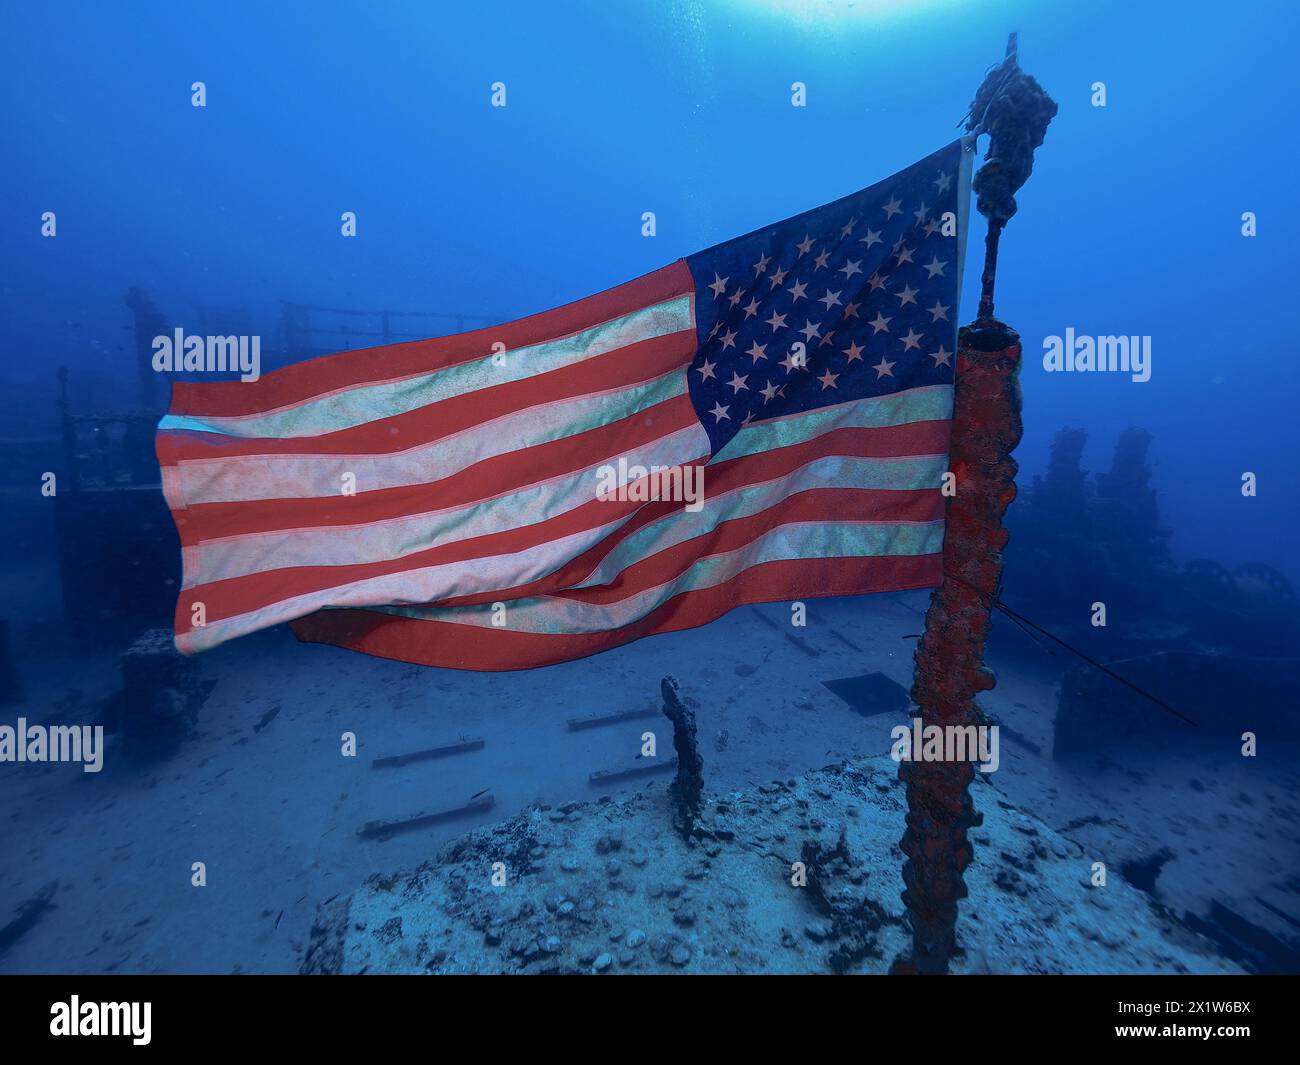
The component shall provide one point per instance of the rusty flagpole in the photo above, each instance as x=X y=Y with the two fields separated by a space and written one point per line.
x=1013 y=110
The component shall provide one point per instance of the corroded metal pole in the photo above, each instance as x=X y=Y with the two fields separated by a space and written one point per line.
x=950 y=670
x=950 y=659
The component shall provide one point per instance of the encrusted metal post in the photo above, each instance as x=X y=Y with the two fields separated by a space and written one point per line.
x=950 y=671
x=950 y=659
x=688 y=785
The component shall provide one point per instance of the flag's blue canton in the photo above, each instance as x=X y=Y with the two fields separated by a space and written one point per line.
x=851 y=300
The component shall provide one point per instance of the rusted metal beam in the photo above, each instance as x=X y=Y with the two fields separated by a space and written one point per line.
x=648 y=767
x=384 y=829
x=578 y=724
x=392 y=761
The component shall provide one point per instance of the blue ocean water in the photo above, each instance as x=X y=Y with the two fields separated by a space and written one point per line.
x=1158 y=208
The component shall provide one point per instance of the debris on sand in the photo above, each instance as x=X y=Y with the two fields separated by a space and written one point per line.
x=29 y=913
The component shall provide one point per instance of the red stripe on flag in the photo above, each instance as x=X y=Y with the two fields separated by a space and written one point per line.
x=892 y=441
x=440 y=643
x=623 y=367
x=486 y=479
x=334 y=373
x=815 y=506
x=240 y=595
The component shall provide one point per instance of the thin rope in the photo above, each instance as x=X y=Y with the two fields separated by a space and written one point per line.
x=1021 y=620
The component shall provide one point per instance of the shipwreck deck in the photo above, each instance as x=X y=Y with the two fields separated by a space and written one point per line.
x=606 y=886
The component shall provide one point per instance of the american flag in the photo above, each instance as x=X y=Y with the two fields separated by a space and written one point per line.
x=438 y=501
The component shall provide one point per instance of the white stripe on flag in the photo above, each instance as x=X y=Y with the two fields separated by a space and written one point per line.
x=308 y=476
x=392 y=538
x=801 y=540
x=366 y=403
